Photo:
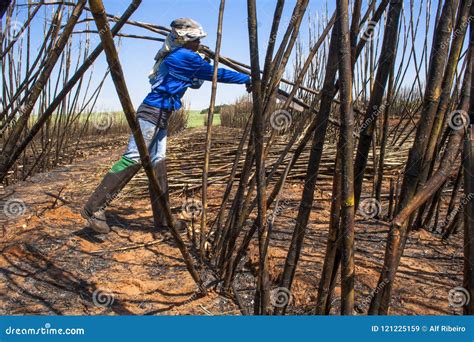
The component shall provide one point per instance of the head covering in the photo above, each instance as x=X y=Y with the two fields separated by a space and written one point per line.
x=183 y=30
x=187 y=29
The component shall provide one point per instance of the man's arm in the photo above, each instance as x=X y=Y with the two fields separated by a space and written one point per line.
x=191 y=65
x=206 y=71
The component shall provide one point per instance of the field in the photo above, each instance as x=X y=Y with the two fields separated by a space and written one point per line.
x=196 y=119
x=54 y=264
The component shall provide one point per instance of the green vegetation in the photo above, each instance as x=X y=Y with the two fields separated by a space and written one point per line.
x=196 y=119
x=217 y=109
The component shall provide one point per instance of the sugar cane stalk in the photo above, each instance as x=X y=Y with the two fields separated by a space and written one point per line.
x=210 y=116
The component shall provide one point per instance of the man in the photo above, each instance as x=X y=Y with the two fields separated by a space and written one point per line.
x=178 y=66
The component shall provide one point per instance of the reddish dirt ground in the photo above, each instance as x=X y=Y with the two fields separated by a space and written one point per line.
x=51 y=263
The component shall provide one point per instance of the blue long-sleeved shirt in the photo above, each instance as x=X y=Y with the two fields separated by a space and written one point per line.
x=183 y=66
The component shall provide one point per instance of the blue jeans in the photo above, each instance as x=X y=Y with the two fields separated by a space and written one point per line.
x=155 y=139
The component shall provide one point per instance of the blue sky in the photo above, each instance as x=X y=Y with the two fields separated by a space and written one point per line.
x=137 y=55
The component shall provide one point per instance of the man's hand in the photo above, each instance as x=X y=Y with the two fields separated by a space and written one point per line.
x=248 y=86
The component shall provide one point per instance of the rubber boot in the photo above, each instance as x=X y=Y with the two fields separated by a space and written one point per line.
x=158 y=217
x=114 y=181
x=162 y=177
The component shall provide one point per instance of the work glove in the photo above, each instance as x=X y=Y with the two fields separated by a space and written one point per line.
x=196 y=83
x=248 y=86
x=203 y=56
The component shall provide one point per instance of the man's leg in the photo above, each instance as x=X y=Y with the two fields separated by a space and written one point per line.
x=158 y=158
x=114 y=181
